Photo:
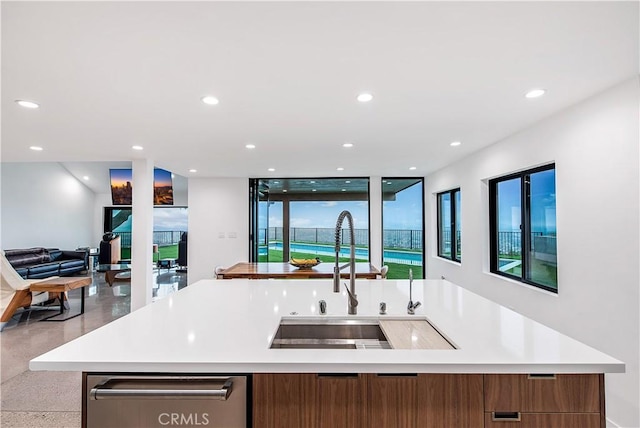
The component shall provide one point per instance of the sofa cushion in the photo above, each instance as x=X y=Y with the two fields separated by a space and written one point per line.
x=44 y=270
x=67 y=269
x=22 y=271
x=27 y=256
x=67 y=264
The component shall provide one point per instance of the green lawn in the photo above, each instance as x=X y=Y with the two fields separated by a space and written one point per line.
x=396 y=271
x=166 y=252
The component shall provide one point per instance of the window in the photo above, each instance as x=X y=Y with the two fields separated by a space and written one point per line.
x=523 y=227
x=449 y=232
x=168 y=225
x=296 y=217
x=402 y=226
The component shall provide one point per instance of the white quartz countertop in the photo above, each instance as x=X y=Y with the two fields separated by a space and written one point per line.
x=227 y=326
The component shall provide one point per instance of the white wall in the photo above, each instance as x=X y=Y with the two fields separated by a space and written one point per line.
x=595 y=147
x=44 y=206
x=218 y=224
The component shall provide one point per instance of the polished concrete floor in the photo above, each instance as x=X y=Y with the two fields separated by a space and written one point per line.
x=53 y=399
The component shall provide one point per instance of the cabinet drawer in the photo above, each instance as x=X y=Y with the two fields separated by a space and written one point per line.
x=341 y=400
x=546 y=420
x=393 y=400
x=450 y=400
x=284 y=400
x=577 y=393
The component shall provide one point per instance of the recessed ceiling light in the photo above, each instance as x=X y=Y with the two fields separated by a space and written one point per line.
x=347 y=145
x=312 y=182
x=284 y=190
x=27 y=104
x=412 y=168
x=535 y=93
x=455 y=143
x=36 y=148
x=137 y=147
x=209 y=100
x=313 y=190
x=85 y=177
x=271 y=169
x=276 y=182
x=365 y=97
x=193 y=170
x=339 y=168
x=347 y=181
x=250 y=146
x=344 y=190
x=388 y=182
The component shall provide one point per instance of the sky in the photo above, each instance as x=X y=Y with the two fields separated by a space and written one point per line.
x=406 y=211
x=403 y=213
x=163 y=219
x=543 y=203
x=170 y=219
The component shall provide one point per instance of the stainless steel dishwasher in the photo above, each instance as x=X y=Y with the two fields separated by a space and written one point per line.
x=140 y=401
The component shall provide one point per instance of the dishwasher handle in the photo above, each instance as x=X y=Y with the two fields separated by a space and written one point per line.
x=103 y=391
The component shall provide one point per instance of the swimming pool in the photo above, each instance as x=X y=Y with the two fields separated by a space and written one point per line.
x=390 y=256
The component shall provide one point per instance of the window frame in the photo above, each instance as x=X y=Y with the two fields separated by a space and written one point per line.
x=455 y=257
x=525 y=225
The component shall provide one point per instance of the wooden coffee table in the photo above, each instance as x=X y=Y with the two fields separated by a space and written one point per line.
x=60 y=285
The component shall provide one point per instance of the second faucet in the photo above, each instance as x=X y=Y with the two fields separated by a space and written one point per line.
x=411 y=307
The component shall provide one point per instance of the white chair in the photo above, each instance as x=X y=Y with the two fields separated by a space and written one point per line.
x=15 y=292
x=383 y=272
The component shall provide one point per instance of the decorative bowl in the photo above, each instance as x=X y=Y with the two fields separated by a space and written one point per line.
x=304 y=263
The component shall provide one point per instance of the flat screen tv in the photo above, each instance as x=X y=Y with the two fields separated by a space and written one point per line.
x=121 y=187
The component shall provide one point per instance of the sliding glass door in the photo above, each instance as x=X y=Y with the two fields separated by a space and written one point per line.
x=403 y=227
x=297 y=217
x=168 y=225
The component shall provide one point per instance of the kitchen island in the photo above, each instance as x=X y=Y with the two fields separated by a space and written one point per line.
x=501 y=362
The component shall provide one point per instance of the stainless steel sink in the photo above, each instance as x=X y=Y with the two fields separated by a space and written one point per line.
x=329 y=333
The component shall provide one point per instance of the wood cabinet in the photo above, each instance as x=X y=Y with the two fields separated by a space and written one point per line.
x=367 y=400
x=284 y=400
x=341 y=400
x=450 y=400
x=428 y=400
x=393 y=400
x=564 y=400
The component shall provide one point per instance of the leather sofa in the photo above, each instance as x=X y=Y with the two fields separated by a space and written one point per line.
x=41 y=262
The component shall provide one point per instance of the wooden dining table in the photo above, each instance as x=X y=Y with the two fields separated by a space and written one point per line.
x=284 y=270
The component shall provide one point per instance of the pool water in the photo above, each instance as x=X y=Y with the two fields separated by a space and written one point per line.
x=390 y=256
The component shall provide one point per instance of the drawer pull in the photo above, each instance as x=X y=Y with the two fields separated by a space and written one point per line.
x=505 y=416
x=338 y=375
x=396 y=374
x=547 y=376
x=169 y=390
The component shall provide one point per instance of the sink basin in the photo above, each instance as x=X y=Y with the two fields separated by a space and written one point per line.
x=330 y=333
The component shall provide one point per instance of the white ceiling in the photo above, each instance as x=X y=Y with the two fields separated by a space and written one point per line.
x=109 y=75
